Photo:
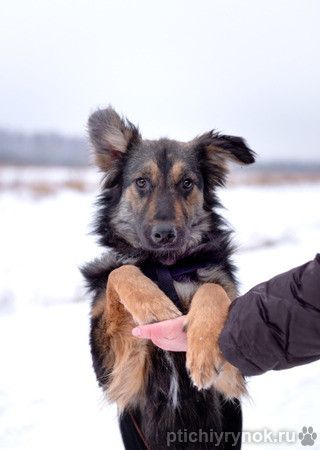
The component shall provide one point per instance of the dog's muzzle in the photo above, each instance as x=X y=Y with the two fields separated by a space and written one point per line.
x=164 y=234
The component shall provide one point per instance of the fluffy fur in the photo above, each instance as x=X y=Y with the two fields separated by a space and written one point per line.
x=158 y=205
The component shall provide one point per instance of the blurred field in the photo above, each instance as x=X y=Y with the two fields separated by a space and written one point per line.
x=42 y=181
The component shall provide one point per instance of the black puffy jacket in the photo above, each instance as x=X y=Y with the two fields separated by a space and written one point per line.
x=276 y=325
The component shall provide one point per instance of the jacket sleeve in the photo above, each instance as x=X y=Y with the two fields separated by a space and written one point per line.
x=276 y=325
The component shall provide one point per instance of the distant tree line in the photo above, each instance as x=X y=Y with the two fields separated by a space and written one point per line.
x=53 y=149
x=42 y=149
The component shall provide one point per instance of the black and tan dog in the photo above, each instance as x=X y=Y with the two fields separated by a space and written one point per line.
x=168 y=253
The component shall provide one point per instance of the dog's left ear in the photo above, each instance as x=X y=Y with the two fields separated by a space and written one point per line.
x=220 y=148
x=111 y=136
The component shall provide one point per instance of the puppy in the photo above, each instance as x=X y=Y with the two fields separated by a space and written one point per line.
x=168 y=252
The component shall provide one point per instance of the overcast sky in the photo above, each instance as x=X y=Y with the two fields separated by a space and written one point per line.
x=175 y=67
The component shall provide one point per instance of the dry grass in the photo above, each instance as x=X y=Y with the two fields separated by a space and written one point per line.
x=42 y=182
x=273 y=178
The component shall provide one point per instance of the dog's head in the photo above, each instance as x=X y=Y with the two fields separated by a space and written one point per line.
x=163 y=188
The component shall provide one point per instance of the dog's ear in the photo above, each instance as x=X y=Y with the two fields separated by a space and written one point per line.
x=221 y=148
x=111 y=136
x=216 y=150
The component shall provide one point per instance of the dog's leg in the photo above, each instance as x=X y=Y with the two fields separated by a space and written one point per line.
x=120 y=361
x=131 y=299
x=205 y=362
x=140 y=296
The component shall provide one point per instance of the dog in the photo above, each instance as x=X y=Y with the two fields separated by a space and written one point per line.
x=168 y=253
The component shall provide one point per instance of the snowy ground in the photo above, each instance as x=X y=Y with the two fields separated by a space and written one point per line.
x=48 y=394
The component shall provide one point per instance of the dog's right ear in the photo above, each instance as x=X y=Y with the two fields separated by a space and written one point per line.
x=111 y=136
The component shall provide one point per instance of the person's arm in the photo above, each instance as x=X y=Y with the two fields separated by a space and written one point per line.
x=276 y=325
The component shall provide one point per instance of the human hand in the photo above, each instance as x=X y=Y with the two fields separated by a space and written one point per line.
x=168 y=334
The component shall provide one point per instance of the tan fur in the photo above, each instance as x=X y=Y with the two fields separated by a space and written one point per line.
x=116 y=135
x=205 y=362
x=141 y=296
x=98 y=307
x=132 y=196
x=177 y=171
x=195 y=199
x=154 y=172
x=131 y=299
x=116 y=142
x=134 y=199
x=150 y=170
x=190 y=205
x=116 y=139
x=219 y=157
x=125 y=359
x=130 y=364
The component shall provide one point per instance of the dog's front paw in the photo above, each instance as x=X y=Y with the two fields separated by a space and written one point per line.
x=157 y=309
x=205 y=362
x=230 y=382
x=207 y=366
x=140 y=296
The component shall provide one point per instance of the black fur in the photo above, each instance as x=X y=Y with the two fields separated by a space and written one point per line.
x=206 y=157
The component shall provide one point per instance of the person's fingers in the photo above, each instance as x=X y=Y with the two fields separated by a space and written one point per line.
x=168 y=335
x=165 y=329
x=148 y=331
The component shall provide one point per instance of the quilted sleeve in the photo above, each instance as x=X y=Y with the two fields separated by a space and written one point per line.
x=276 y=325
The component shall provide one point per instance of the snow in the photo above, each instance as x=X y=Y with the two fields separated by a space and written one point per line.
x=48 y=394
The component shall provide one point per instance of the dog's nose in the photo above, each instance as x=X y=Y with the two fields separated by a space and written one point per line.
x=164 y=234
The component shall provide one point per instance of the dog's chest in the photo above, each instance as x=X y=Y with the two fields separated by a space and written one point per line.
x=187 y=288
x=185 y=291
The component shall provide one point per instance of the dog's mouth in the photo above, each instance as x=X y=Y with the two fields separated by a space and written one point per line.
x=163 y=248
x=165 y=255
x=168 y=259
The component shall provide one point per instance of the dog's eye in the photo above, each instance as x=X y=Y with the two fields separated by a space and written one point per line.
x=141 y=182
x=187 y=184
